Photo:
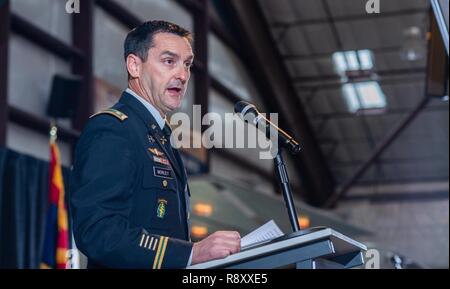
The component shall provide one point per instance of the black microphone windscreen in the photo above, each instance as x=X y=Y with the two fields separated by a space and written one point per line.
x=240 y=106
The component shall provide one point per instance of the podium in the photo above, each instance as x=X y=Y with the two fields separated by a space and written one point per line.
x=322 y=249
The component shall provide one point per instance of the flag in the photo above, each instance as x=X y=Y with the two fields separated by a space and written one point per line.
x=56 y=242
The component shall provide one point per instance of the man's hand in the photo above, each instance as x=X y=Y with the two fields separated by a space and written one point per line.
x=216 y=246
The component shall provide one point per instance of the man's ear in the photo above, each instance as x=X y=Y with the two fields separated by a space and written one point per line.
x=134 y=65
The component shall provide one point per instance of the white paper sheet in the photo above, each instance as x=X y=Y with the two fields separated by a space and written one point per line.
x=266 y=232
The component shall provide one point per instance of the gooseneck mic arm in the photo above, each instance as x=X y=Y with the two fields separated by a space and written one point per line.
x=249 y=112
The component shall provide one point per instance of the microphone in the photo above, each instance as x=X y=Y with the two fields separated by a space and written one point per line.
x=250 y=113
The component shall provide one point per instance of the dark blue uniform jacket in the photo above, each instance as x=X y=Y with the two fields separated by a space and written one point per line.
x=129 y=197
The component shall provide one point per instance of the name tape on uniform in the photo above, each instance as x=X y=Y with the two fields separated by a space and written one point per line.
x=162 y=173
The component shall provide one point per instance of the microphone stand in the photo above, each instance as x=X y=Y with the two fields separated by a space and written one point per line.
x=283 y=178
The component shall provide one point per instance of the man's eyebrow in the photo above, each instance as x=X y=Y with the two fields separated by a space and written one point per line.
x=169 y=53
x=173 y=54
x=190 y=57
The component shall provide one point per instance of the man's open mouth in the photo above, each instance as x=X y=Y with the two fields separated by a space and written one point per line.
x=174 y=90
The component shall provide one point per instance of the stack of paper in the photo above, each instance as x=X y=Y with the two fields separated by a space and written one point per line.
x=265 y=233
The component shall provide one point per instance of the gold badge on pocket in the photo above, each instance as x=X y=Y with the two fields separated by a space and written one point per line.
x=161 y=211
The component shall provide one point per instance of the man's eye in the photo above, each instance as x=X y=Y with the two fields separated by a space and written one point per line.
x=168 y=61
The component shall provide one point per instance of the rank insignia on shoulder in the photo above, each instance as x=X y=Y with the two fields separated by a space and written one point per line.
x=156 y=152
x=161 y=160
x=161 y=211
x=114 y=112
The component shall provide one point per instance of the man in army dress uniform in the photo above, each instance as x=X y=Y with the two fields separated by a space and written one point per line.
x=129 y=194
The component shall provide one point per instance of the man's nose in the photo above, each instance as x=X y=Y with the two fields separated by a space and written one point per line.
x=182 y=74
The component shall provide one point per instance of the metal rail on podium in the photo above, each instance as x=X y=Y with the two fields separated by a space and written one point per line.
x=320 y=249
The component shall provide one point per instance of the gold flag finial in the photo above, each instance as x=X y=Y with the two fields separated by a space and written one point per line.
x=53 y=131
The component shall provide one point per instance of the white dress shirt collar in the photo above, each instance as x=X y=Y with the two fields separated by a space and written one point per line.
x=155 y=113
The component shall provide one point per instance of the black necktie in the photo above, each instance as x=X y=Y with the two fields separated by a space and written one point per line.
x=167 y=133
